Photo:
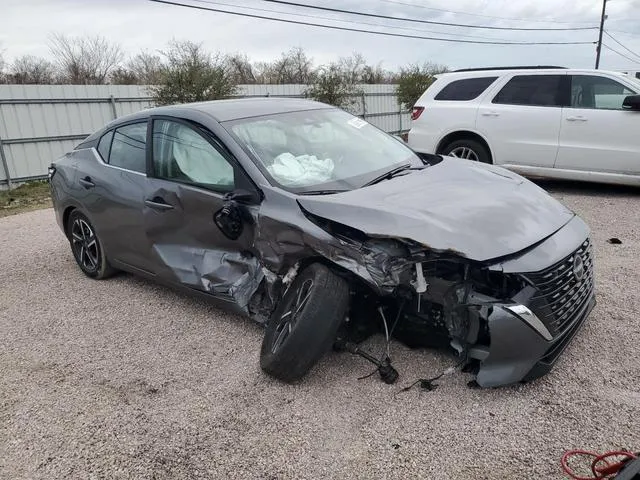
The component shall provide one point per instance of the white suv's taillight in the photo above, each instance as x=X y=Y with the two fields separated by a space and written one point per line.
x=416 y=112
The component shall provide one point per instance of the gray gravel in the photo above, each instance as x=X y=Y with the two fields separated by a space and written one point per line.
x=126 y=379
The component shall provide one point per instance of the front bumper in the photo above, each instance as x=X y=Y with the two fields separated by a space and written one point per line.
x=559 y=296
x=519 y=353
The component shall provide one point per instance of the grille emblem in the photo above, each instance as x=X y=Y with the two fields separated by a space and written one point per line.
x=578 y=267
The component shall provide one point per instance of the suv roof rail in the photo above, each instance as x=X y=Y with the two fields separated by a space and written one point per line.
x=526 y=67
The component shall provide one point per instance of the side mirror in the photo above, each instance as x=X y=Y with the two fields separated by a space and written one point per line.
x=632 y=102
x=243 y=196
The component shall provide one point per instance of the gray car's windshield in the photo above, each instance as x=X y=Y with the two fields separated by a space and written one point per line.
x=320 y=151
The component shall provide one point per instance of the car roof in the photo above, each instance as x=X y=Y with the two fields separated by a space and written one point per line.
x=236 y=108
x=524 y=71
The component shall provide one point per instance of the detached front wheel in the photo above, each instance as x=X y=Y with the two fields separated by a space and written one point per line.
x=305 y=323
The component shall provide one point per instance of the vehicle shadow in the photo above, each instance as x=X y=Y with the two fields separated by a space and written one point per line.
x=585 y=188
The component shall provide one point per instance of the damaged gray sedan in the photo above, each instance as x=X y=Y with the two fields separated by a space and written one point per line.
x=327 y=230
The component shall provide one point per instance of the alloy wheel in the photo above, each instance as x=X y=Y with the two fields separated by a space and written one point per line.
x=293 y=311
x=464 y=152
x=85 y=245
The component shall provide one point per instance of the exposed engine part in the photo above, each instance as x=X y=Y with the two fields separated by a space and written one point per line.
x=427 y=383
x=291 y=274
x=388 y=374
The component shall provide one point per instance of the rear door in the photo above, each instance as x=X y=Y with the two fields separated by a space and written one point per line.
x=113 y=187
x=190 y=174
x=521 y=122
x=596 y=133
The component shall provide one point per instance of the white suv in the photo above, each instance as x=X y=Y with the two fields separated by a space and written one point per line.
x=540 y=122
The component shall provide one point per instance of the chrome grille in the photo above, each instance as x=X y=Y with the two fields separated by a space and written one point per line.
x=561 y=295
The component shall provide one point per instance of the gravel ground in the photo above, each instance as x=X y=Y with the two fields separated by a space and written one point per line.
x=126 y=379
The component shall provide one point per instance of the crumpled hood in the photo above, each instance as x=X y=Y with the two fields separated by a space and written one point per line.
x=479 y=211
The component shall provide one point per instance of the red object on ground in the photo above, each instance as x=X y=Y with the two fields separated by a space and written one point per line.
x=600 y=472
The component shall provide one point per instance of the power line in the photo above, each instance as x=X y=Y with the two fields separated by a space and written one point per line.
x=621 y=54
x=482 y=16
x=387 y=34
x=416 y=20
x=622 y=45
x=348 y=21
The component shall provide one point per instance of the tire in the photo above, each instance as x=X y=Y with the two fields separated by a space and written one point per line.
x=293 y=343
x=86 y=247
x=461 y=149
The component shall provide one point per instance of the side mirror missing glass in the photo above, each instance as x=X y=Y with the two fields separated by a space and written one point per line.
x=233 y=215
x=632 y=102
x=243 y=196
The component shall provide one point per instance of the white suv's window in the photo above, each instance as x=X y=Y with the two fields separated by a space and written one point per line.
x=591 y=91
x=466 y=89
x=535 y=90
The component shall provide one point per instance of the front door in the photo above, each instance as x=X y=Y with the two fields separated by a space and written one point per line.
x=522 y=121
x=185 y=193
x=596 y=133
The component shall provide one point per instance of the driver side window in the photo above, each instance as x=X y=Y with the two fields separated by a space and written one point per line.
x=182 y=154
x=602 y=93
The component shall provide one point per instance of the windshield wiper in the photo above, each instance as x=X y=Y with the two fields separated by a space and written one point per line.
x=390 y=174
x=321 y=192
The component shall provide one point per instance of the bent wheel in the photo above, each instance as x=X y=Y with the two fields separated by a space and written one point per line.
x=305 y=323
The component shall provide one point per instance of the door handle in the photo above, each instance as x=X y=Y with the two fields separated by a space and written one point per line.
x=576 y=119
x=87 y=183
x=490 y=114
x=158 y=203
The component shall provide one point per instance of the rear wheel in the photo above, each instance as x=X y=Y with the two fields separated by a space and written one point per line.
x=305 y=323
x=469 y=150
x=86 y=247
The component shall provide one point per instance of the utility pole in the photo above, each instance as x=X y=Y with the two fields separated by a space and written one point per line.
x=602 y=19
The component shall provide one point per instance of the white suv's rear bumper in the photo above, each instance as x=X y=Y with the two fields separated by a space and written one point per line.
x=421 y=141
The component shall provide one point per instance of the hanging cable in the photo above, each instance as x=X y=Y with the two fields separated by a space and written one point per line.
x=528 y=20
x=350 y=22
x=621 y=54
x=430 y=22
x=388 y=34
x=622 y=45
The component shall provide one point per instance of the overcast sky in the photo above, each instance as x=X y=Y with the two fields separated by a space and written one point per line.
x=140 y=24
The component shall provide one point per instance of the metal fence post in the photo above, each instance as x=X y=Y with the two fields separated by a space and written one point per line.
x=113 y=106
x=400 y=118
x=4 y=164
x=364 y=105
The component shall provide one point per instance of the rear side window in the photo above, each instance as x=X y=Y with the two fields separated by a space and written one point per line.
x=104 y=145
x=535 y=90
x=128 y=147
x=467 y=89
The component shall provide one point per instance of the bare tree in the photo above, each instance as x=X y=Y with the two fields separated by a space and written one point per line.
x=30 y=69
x=191 y=74
x=240 y=68
x=2 y=65
x=85 y=60
x=143 y=69
x=293 y=66
x=124 y=76
x=147 y=68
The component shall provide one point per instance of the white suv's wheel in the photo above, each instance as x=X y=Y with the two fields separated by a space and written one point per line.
x=469 y=150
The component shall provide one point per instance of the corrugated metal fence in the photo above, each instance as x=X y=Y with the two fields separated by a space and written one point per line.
x=39 y=123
